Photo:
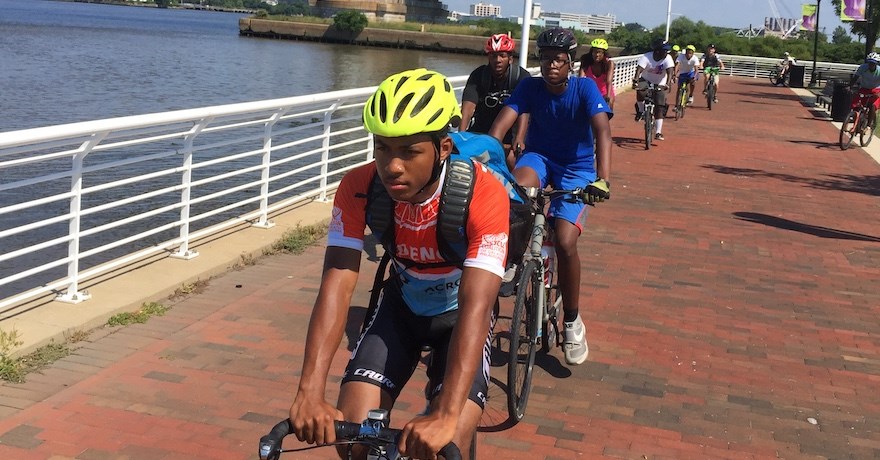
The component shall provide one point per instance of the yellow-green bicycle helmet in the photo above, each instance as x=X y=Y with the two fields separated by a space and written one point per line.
x=600 y=43
x=412 y=102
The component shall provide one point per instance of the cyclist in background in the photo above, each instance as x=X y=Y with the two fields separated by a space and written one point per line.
x=785 y=64
x=867 y=76
x=687 y=71
x=711 y=60
x=427 y=300
x=674 y=53
x=597 y=66
x=488 y=88
x=560 y=152
x=655 y=66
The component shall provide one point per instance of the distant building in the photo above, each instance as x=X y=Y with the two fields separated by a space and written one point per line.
x=386 y=10
x=589 y=23
x=482 y=10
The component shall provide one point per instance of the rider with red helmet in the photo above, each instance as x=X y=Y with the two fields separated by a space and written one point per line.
x=488 y=88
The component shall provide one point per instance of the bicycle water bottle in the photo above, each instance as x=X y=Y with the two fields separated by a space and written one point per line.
x=548 y=252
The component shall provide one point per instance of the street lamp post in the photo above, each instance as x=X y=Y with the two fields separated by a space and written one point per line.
x=524 y=41
x=668 y=18
x=815 y=45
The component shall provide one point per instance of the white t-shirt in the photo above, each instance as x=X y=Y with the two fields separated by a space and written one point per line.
x=686 y=65
x=655 y=71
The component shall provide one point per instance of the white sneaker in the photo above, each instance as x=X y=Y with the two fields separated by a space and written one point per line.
x=575 y=342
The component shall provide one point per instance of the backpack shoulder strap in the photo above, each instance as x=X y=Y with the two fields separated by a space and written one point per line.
x=380 y=214
x=455 y=200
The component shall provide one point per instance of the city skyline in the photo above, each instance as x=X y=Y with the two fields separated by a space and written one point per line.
x=652 y=13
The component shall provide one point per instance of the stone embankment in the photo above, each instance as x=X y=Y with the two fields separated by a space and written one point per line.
x=466 y=44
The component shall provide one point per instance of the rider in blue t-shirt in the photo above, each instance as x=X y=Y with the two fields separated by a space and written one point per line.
x=566 y=115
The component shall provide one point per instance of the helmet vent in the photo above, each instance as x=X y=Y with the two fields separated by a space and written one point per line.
x=401 y=107
x=423 y=102
x=383 y=107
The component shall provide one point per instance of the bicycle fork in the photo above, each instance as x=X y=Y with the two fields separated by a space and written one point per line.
x=535 y=251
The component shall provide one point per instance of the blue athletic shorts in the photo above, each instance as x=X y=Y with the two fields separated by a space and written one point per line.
x=690 y=76
x=561 y=177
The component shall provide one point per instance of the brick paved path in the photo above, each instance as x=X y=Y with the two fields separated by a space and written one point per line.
x=731 y=292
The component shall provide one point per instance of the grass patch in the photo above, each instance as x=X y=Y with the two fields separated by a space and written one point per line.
x=10 y=369
x=244 y=260
x=296 y=240
x=14 y=369
x=147 y=311
x=188 y=289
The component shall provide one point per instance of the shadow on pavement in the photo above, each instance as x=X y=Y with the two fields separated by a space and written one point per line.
x=868 y=185
x=819 y=145
x=785 y=224
x=629 y=143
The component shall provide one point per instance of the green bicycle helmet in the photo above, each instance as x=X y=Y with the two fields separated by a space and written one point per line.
x=412 y=102
x=599 y=43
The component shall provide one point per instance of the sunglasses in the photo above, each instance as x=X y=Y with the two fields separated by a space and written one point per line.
x=493 y=99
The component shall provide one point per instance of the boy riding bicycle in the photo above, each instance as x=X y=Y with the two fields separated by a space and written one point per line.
x=687 y=71
x=867 y=76
x=564 y=116
x=428 y=300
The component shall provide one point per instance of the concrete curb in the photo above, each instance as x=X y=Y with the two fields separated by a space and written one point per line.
x=153 y=279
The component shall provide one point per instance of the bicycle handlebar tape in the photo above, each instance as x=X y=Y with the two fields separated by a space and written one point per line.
x=347 y=430
x=270 y=444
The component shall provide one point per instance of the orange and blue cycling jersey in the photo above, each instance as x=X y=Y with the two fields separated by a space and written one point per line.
x=427 y=290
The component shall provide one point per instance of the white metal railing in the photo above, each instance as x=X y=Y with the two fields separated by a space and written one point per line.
x=82 y=199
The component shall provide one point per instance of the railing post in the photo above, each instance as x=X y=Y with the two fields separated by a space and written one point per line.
x=73 y=294
x=263 y=221
x=325 y=154
x=183 y=251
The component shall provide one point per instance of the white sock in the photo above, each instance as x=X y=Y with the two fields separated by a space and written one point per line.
x=641 y=105
x=659 y=124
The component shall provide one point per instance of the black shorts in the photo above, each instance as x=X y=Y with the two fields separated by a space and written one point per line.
x=389 y=349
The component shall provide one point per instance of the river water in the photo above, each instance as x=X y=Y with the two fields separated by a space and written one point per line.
x=62 y=62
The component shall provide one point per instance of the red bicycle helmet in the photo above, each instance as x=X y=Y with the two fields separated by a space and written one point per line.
x=500 y=43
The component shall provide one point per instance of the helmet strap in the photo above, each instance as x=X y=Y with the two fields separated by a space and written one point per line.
x=438 y=165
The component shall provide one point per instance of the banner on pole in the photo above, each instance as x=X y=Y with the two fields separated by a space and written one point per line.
x=809 y=17
x=852 y=10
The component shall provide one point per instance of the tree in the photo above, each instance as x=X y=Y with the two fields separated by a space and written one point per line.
x=350 y=21
x=868 y=29
x=840 y=36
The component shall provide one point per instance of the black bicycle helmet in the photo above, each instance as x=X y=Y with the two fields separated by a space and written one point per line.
x=559 y=38
x=659 y=44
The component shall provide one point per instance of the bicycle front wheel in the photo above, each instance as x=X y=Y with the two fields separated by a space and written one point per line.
x=523 y=339
x=866 y=134
x=710 y=95
x=649 y=128
x=774 y=78
x=848 y=129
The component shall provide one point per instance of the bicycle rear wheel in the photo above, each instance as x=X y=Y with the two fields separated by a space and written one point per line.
x=523 y=340
x=866 y=134
x=848 y=129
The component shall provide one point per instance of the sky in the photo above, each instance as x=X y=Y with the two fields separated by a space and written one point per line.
x=651 y=13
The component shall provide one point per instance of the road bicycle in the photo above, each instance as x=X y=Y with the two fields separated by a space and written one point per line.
x=776 y=77
x=373 y=433
x=856 y=122
x=535 y=318
x=711 y=88
x=681 y=100
x=650 y=90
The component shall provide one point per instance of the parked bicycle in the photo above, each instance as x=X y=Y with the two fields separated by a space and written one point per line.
x=373 y=433
x=857 y=122
x=538 y=303
x=711 y=73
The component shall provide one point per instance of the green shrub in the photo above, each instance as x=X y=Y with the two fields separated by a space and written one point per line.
x=350 y=21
